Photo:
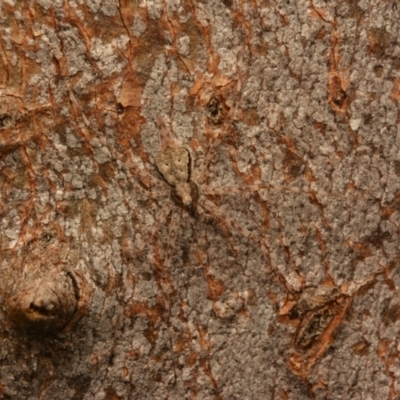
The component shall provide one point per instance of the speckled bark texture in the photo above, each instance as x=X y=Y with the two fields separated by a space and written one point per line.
x=248 y=248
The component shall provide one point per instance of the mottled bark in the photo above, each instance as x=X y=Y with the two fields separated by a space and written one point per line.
x=248 y=248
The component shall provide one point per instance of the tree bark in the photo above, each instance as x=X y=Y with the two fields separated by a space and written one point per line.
x=199 y=199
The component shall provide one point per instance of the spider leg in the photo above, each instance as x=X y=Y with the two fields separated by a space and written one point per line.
x=173 y=233
x=143 y=175
x=222 y=190
x=156 y=226
x=199 y=175
x=233 y=225
x=166 y=138
x=166 y=285
x=226 y=190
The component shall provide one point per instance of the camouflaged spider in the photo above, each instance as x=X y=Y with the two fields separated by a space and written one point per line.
x=175 y=165
x=189 y=192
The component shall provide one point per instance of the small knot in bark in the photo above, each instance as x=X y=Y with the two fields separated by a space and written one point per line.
x=44 y=305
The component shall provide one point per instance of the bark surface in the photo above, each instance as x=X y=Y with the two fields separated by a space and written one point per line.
x=199 y=199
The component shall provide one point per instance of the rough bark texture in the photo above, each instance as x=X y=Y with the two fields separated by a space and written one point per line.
x=268 y=268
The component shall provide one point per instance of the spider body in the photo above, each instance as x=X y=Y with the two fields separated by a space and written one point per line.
x=174 y=164
x=189 y=192
x=186 y=195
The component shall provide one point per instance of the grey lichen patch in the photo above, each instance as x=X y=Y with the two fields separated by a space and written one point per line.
x=155 y=9
x=105 y=55
x=101 y=153
x=183 y=45
x=44 y=305
x=107 y=7
x=138 y=26
x=46 y=4
x=229 y=306
x=74 y=49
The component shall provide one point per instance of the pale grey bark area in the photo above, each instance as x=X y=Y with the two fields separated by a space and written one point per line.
x=289 y=289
